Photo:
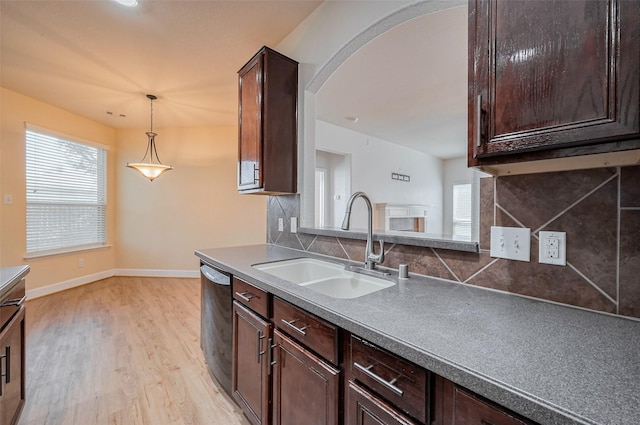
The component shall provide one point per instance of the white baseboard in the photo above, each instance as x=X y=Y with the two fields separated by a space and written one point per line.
x=83 y=280
x=67 y=284
x=157 y=273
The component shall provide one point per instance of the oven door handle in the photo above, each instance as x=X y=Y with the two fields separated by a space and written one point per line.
x=13 y=302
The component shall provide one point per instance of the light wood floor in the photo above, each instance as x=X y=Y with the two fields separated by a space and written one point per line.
x=121 y=351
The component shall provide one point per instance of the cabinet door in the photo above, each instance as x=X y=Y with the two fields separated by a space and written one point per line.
x=250 y=382
x=552 y=74
x=250 y=125
x=305 y=388
x=364 y=408
x=12 y=394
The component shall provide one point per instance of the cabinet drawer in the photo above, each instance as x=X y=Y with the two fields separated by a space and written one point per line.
x=399 y=381
x=254 y=298
x=313 y=332
x=465 y=408
x=365 y=408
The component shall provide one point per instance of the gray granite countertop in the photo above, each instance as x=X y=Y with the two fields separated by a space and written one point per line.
x=9 y=276
x=550 y=363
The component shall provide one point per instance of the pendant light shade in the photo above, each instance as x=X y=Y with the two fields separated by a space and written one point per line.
x=151 y=169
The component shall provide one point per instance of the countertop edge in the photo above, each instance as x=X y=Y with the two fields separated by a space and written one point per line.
x=10 y=276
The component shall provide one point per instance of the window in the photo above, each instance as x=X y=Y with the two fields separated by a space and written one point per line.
x=462 y=211
x=66 y=193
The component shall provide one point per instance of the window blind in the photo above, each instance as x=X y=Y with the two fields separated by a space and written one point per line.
x=66 y=194
x=462 y=211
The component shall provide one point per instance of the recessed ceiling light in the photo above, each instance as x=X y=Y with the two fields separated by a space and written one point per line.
x=352 y=119
x=128 y=3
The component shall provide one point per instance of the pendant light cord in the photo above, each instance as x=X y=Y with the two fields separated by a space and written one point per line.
x=151 y=129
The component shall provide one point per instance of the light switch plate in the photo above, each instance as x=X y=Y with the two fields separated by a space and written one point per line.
x=511 y=243
x=280 y=224
x=553 y=248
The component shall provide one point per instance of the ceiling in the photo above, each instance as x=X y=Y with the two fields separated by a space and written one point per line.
x=97 y=57
x=407 y=86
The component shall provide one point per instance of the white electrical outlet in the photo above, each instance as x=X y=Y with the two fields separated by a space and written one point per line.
x=280 y=224
x=8 y=199
x=81 y=262
x=512 y=243
x=553 y=248
x=294 y=224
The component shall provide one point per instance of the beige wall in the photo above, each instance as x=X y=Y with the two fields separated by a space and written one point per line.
x=151 y=225
x=196 y=205
x=17 y=109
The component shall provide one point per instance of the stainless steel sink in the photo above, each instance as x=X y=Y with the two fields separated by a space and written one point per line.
x=325 y=277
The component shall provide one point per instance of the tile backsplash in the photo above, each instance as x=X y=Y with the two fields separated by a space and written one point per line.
x=599 y=209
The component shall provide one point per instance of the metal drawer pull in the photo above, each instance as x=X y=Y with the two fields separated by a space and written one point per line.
x=14 y=302
x=259 y=351
x=301 y=330
x=7 y=366
x=270 y=360
x=478 y=119
x=243 y=296
x=378 y=379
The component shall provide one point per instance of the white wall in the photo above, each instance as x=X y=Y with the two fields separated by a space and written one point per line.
x=372 y=162
x=150 y=225
x=455 y=171
x=333 y=32
x=197 y=205
x=17 y=110
x=338 y=185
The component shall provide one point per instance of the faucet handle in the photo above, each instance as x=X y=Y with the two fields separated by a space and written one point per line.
x=378 y=258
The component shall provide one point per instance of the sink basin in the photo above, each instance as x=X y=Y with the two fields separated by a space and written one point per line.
x=324 y=277
x=301 y=270
x=348 y=286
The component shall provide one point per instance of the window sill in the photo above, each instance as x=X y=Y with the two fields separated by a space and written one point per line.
x=64 y=251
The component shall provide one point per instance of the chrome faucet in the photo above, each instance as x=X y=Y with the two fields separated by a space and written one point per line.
x=370 y=257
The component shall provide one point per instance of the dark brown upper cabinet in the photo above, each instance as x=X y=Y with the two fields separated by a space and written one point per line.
x=552 y=79
x=267 y=146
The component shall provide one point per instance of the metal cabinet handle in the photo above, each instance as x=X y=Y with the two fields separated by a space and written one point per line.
x=256 y=173
x=243 y=296
x=290 y=323
x=270 y=355
x=380 y=380
x=259 y=350
x=7 y=366
x=14 y=302
x=478 y=121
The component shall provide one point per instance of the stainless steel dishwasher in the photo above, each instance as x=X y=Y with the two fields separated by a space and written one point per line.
x=216 y=323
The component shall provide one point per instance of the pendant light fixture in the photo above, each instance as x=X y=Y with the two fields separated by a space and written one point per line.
x=150 y=169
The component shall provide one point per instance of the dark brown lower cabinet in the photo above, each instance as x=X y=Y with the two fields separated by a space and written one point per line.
x=458 y=406
x=250 y=381
x=305 y=387
x=364 y=408
x=287 y=371
x=12 y=379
